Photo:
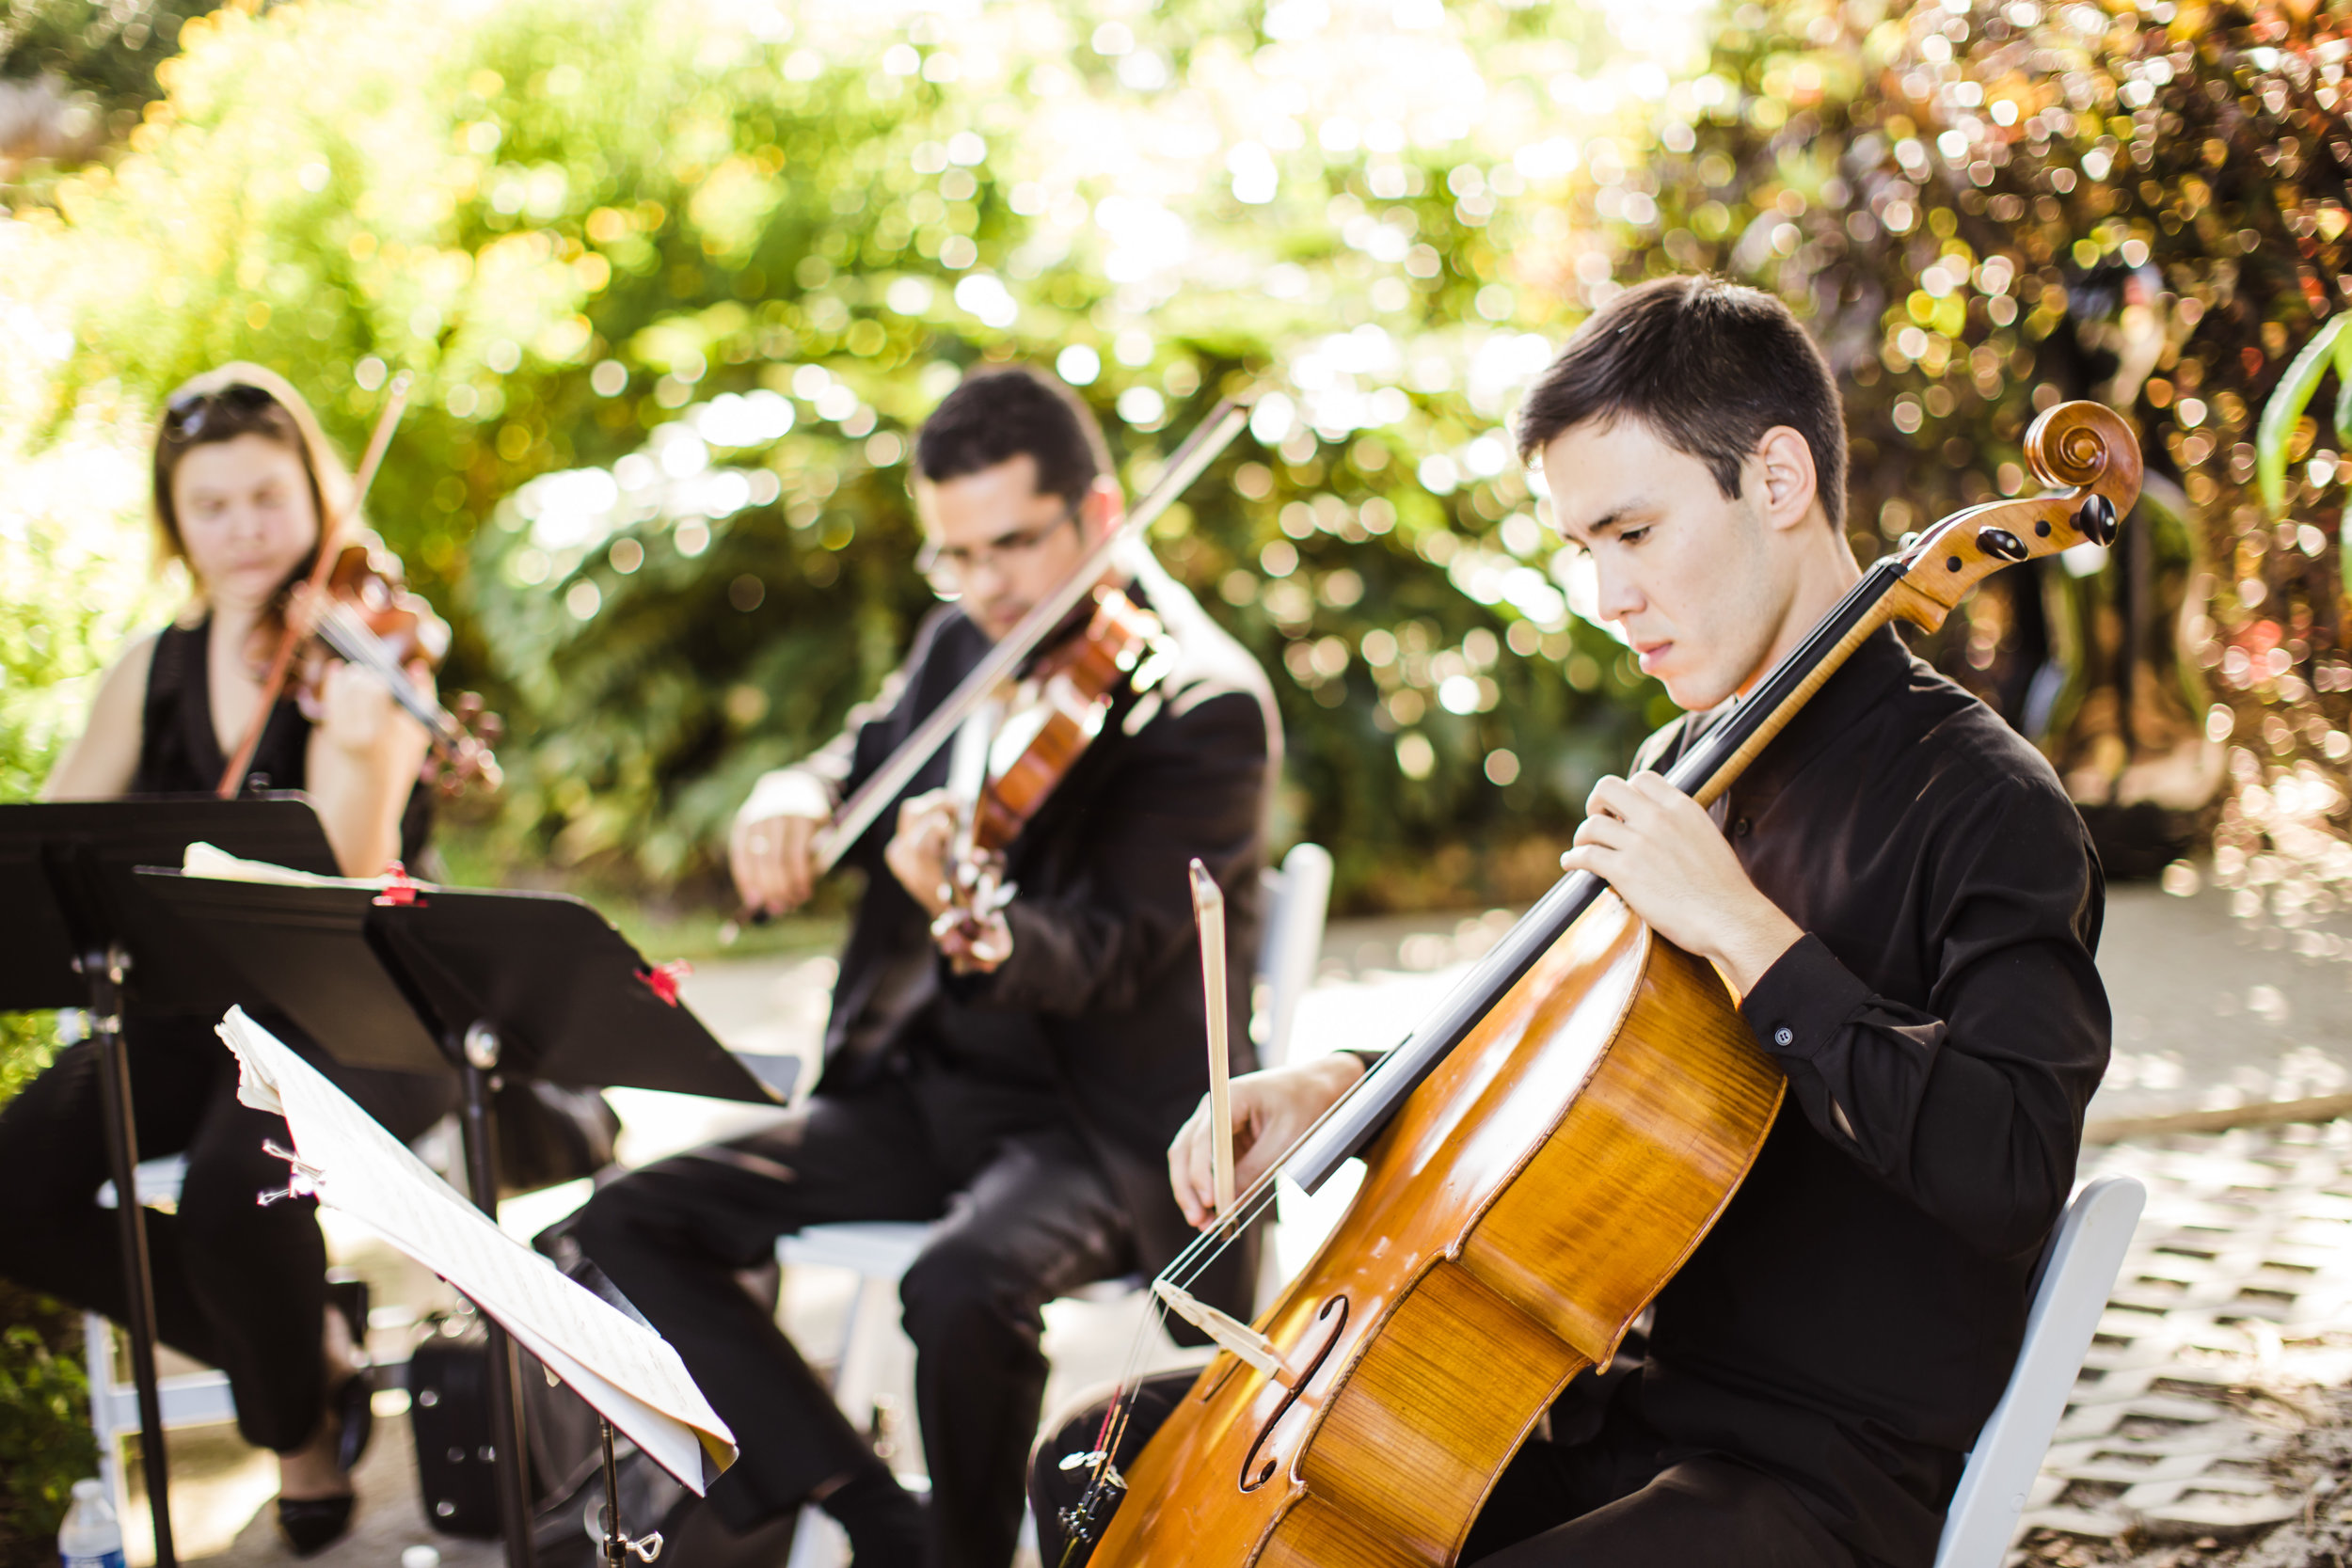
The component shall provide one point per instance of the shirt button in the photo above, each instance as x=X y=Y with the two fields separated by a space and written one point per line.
x=1740 y=829
x=1784 y=1036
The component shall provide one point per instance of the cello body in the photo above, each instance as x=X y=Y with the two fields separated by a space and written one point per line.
x=1527 y=1202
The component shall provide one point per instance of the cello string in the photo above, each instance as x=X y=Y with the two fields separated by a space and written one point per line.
x=1184 y=1270
x=1206 y=1247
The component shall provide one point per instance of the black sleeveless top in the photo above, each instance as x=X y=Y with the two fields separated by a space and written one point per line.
x=179 y=754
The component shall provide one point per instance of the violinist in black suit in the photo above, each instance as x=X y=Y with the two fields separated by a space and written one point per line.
x=1019 y=1090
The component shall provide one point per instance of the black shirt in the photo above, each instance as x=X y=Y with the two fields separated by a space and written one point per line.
x=1852 y=1319
x=180 y=752
x=1103 y=985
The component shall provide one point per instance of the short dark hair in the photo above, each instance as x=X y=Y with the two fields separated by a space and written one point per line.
x=996 y=415
x=1711 y=366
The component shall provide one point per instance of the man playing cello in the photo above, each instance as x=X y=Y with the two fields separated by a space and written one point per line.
x=1904 y=902
x=1021 y=1098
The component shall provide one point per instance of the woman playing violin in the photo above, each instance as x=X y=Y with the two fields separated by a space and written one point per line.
x=243 y=479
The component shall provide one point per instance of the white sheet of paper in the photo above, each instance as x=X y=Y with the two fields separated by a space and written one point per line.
x=201 y=858
x=618 y=1366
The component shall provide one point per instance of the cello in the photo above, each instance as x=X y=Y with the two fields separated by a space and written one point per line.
x=1541 y=1156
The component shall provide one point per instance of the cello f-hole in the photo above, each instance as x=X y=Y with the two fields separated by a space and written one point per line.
x=1335 y=1308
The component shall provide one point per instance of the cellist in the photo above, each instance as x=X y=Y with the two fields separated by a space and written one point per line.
x=1019 y=1089
x=1905 y=904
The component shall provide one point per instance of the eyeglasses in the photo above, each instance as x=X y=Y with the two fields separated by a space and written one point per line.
x=948 y=567
x=184 y=417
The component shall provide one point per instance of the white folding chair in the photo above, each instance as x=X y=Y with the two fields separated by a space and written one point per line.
x=2079 y=1269
x=1296 y=900
x=188 y=1399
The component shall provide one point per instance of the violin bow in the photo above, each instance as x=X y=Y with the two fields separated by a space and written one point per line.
x=890 y=780
x=330 y=529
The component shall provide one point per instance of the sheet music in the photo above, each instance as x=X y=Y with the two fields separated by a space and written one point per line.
x=625 y=1370
x=204 y=860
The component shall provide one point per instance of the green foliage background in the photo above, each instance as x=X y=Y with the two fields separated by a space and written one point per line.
x=502 y=201
x=677 y=280
x=72 y=587
x=593 y=236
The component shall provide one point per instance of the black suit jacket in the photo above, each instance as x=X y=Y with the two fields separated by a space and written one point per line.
x=1106 y=963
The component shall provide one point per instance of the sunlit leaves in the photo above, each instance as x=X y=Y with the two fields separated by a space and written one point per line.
x=679 y=281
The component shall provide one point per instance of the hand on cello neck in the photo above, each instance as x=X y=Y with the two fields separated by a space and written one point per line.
x=1664 y=856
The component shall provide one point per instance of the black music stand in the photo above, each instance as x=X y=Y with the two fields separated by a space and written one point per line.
x=76 y=931
x=427 y=979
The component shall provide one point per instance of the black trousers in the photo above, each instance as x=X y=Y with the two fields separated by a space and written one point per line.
x=1027 y=1215
x=1609 y=1501
x=238 y=1285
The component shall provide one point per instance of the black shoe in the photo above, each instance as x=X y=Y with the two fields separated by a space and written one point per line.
x=354 y=1399
x=313 y=1524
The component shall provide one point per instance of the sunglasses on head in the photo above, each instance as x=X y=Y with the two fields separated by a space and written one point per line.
x=185 y=416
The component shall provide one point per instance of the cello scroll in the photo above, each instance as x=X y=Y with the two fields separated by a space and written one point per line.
x=2087 y=449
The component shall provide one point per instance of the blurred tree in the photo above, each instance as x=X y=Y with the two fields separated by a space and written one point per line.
x=680 y=284
x=1983 y=213
x=75 y=73
x=702 y=274
x=45 y=1443
x=73 y=585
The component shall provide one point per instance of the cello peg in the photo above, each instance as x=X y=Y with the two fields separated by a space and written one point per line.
x=2095 y=520
x=2000 y=541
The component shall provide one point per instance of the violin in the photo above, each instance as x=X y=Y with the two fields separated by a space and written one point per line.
x=354 y=605
x=1540 y=1157
x=1044 y=727
x=1069 y=689
x=365 y=616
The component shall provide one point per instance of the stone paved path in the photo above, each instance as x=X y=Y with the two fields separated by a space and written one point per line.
x=2233 y=1310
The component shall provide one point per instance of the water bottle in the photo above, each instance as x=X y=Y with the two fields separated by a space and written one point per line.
x=92 y=1538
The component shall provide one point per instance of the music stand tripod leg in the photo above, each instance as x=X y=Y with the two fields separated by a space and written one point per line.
x=104 y=970
x=619 y=1547
x=478 y=1054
